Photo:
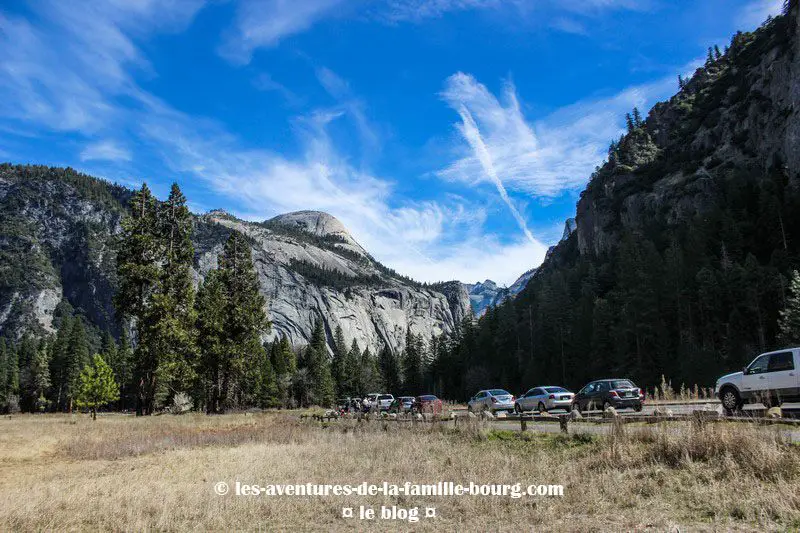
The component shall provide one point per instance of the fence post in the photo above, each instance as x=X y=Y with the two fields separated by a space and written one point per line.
x=523 y=424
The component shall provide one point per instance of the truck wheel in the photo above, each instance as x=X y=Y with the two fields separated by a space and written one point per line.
x=731 y=401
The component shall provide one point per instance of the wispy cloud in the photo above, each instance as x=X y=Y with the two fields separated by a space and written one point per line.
x=541 y=158
x=753 y=14
x=265 y=23
x=106 y=150
x=265 y=82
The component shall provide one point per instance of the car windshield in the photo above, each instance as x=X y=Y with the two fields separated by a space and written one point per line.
x=555 y=389
x=499 y=392
x=385 y=397
x=428 y=398
x=622 y=384
x=406 y=399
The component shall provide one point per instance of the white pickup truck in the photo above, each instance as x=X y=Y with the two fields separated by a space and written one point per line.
x=772 y=378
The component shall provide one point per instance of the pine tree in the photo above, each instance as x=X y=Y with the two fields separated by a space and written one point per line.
x=230 y=321
x=97 y=386
x=138 y=270
x=40 y=377
x=710 y=57
x=123 y=370
x=172 y=309
x=319 y=367
x=338 y=364
x=637 y=118
x=789 y=323
x=412 y=365
x=717 y=53
x=59 y=362
x=4 y=370
x=355 y=378
x=629 y=122
x=212 y=338
x=389 y=370
x=681 y=82
x=371 y=378
x=77 y=357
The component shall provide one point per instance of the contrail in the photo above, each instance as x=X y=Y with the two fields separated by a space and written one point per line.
x=473 y=136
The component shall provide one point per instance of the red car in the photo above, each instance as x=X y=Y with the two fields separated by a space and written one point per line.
x=427 y=403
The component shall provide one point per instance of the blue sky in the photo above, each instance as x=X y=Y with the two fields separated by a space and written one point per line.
x=452 y=137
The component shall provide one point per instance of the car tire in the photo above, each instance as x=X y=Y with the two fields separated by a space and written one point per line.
x=542 y=409
x=517 y=409
x=731 y=401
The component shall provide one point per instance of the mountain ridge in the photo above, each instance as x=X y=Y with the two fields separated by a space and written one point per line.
x=56 y=251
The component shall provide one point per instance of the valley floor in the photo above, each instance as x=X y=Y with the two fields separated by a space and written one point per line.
x=60 y=472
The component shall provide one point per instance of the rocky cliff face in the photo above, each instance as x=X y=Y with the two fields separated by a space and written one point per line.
x=737 y=114
x=294 y=268
x=56 y=249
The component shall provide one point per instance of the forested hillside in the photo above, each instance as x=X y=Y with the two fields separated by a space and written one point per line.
x=686 y=239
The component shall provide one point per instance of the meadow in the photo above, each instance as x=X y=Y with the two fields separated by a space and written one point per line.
x=63 y=472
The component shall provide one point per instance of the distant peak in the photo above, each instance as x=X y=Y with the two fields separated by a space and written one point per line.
x=317 y=223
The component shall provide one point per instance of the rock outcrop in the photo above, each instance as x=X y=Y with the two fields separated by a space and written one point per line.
x=57 y=229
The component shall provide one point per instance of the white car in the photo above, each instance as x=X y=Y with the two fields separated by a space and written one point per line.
x=544 y=399
x=772 y=378
x=384 y=402
x=492 y=400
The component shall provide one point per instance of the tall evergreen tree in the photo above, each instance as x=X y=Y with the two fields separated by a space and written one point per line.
x=389 y=370
x=4 y=371
x=230 y=322
x=789 y=324
x=338 y=363
x=319 y=367
x=412 y=365
x=172 y=310
x=138 y=270
x=76 y=358
x=370 y=375
x=40 y=377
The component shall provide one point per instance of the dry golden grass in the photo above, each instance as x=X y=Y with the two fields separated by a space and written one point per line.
x=123 y=473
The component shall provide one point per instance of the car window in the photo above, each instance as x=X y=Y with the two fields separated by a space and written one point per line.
x=552 y=390
x=428 y=398
x=604 y=386
x=499 y=392
x=385 y=397
x=588 y=389
x=759 y=366
x=781 y=361
x=529 y=393
x=535 y=392
x=622 y=384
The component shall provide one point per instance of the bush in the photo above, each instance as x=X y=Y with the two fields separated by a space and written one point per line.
x=181 y=403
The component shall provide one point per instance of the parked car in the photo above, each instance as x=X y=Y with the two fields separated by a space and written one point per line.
x=402 y=404
x=772 y=378
x=492 y=400
x=603 y=393
x=384 y=402
x=427 y=403
x=372 y=400
x=544 y=399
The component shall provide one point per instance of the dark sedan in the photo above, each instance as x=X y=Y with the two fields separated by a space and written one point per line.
x=603 y=393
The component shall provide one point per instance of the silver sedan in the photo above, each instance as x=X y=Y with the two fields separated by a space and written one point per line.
x=544 y=399
x=492 y=400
